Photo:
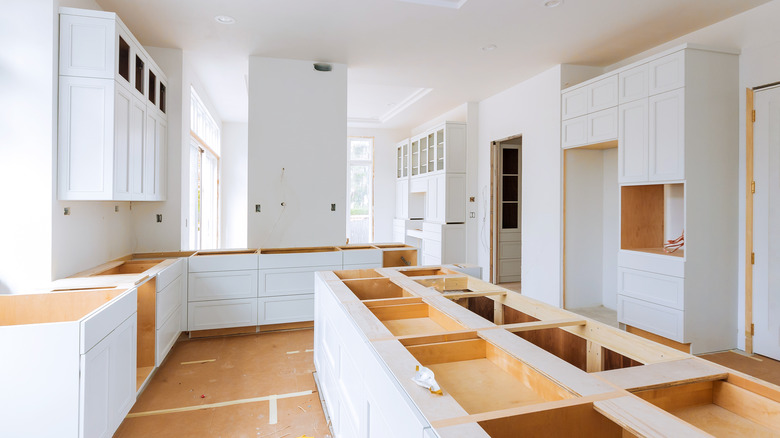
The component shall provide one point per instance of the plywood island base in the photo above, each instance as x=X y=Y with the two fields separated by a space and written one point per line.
x=509 y=366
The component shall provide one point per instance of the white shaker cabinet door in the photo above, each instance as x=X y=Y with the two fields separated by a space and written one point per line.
x=632 y=142
x=667 y=136
x=574 y=103
x=666 y=73
x=603 y=94
x=632 y=84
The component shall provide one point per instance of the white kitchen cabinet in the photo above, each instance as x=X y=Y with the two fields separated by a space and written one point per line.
x=445 y=198
x=74 y=358
x=402 y=199
x=440 y=150
x=632 y=84
x=666 y=73
x=574 y=103
x=290 y=281
x=170 y=295
x=108 y=149
x=574 y=132
x=602 y=94
x=402 y=159
x=207 y=315
x=603 y=126
x=286 y=309
x=108 y=381
x=222 y=285
x=443 y=243
x=666 y=147
x=633 y=142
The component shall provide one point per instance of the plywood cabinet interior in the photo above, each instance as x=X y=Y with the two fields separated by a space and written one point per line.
x=112 y=112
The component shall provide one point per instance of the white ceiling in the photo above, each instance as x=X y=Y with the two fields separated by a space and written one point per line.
x=396 y=50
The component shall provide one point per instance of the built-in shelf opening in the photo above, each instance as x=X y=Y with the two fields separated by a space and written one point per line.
x=651 y=215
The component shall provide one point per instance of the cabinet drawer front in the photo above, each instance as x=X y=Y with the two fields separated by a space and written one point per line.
x=603 y=94
x=574 y=103
x=362 y=256
x=603 y=125
x=296 y=260
x=663 y=321
x=655 y=263
x=666 y=73
x=207 y=315
x=655 y=288
x=431 y=228
x=574 y=132
x=293 y=281
x=222 y=262
x=104 y=320
x=430 y=260
x=167 y=275
x=633 y=84
x=204 y=286
x=167 y=334
x=280 y=310
x=418 y=185
x=169 y=299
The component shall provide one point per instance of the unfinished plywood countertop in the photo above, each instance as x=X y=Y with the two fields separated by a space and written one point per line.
x=509 y=365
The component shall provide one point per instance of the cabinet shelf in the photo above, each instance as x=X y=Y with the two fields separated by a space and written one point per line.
x=660 y=251
x=650 y=215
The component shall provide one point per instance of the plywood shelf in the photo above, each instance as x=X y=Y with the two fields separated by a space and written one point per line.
x=650 y=215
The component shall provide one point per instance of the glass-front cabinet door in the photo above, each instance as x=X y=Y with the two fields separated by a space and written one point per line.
x=415 y=157
x=423 y=155
x=440 y=149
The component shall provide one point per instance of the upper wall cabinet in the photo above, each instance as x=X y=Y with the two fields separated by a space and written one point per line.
x=112 y=129
x=440 y=150
x=589 y=113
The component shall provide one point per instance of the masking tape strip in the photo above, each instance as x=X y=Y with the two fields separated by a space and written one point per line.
x=272 y=412
x=219 y=405
x=199 y=361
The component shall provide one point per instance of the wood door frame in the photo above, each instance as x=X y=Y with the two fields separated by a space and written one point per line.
x=749 y=120
x=495 y=150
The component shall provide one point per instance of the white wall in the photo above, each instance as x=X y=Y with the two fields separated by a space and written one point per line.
x=297 y=122
x=234 y=184
x=27 y=135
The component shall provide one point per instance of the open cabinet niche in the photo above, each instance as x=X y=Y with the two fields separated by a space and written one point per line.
x=591 y=227
x=650 y=215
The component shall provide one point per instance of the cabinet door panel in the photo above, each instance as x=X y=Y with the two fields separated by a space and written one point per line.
x=574 y=132
x=667 y=136
x=87 y=46
x=574 y=103
x=137 y=131
x=431 y=200
x=667 y=73
x=454 y=189
x=603 y=94
x=603 y=126
x=208 y=315
x=661 y=320
x=123 y=371
x=95 y=383
x=150 y=156
x=122 y=143
x=632 y=142
x=633 y=84
x=282 y=310
x=85 y=138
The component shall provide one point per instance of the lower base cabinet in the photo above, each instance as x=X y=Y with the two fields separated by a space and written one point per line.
x=206 y=315
x=282 y=310
x=108 y=381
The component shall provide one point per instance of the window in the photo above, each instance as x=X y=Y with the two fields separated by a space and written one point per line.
x=360 y=189
x=204 y=176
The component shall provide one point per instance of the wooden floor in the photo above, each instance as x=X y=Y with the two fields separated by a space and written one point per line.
x=756 y=365
x=262 y=385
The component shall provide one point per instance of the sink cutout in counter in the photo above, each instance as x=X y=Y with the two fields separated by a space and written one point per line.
x=496 y=380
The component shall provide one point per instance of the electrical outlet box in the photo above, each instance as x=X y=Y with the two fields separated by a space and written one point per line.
x=472 y=214
x=472 y=198
x=67 y=211
x=159 y=218
x=257 y=208
x=332 y=207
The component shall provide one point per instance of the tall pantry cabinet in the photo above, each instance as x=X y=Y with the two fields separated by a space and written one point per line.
x=677 y=173
x=112 y=131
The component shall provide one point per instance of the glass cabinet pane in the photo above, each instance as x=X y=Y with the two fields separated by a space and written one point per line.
x=139 y=74
x=152 y=87
x=162 y=97
x=415 y=158
x=440 y=150
x=406 y=160
x=424 y=155
x=431 y=153
x=398 y=164
x=124 y=59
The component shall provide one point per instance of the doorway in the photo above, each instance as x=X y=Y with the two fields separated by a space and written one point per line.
x=506 y=164
x=766 y=222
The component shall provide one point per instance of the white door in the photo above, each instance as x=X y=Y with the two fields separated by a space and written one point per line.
x=766 y=224
x=509 y=195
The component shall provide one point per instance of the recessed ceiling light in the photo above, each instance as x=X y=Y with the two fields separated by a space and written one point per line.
x=224 y=19
x=552 y=3
x=489 y=48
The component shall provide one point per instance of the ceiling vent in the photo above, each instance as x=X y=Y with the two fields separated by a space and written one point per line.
x=449 y=4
